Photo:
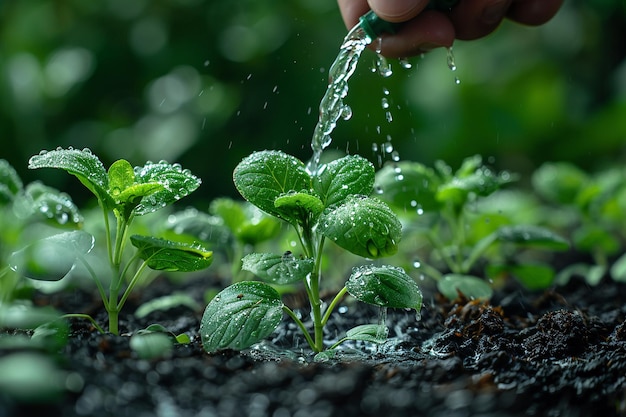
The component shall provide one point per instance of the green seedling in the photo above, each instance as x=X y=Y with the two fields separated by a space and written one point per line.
x=591 y=208
x=27 y=212
x=123 y=193
x=445 y=210
x=332 y=205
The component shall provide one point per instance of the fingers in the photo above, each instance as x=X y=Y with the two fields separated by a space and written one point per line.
x=397 y=10
x=474 y=19
x=427 y=31
x=533 y=12
x=352 y=10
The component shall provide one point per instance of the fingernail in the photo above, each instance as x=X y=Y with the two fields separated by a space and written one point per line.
x=495 y=12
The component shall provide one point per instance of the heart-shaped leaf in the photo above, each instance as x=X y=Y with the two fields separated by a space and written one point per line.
x=240 y=315
x=263 y=176
x=364 y=226
x=277 y=269
x=384 y=286
x=167 y=255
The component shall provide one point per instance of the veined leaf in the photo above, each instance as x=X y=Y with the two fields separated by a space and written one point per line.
x=362 y=225
x=53 y=257
x=384 y=286
x=263 y=176
x=246 y=222
x=375 y=333
x=340 y=178
x=83 y=164
x=277 y=269
x=298 y=207
x=240 y=315
x=176 y=182
x=416 y=191
x=166 y=255
x=45 y=202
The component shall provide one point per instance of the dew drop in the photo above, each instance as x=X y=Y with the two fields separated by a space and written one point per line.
x=346 y=112
x=417 y=264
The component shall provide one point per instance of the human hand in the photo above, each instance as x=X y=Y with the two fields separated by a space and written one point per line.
x=428 y=29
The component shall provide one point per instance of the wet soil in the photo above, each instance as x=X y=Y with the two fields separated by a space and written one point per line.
x=560 y=352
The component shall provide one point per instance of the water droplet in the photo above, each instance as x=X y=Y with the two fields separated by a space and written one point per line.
x=388 y=147
x=395 y=156
x=389 y=116
x=450 y=59
x=417 y=264
x=385 y=103
x=346 y=112
x=374 y=147
x=378 y=189
x=404 y=63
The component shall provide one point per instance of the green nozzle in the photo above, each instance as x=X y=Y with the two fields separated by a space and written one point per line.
x=374 y=26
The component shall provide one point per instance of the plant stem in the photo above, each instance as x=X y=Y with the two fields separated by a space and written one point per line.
x=301 y=325
x=86 y=317
x=333 y=304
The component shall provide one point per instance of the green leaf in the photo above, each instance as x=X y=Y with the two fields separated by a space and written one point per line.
x=618 y=269
x=21 y=316
x=298 y=207
x=165 y=303
x=384 y=286
x=246 y=222
x=176 y=182
x=277 y=269
x=121 y=176
x=199 y=226
x=53 y=257
x=240 y=315
x=167 y=255
x=592 y=274
x=559 y=182
x=375 y=333
x=471 y=287
x=152 y=345
x=593 y=239
x=409 y=186
x=532 y=276
x=482 y=182
x=263 y=176
x=533 y=237
x=83 y=164
x=10 y=182
x=340 y=178
x=362 y=225
x=41 y=201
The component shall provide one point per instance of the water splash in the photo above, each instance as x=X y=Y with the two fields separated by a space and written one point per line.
x=332 y=106
x=452 y=63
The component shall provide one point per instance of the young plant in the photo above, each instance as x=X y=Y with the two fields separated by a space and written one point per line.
x=123 y=193
x=445 y=210
x=590 y=208
x=331 y=205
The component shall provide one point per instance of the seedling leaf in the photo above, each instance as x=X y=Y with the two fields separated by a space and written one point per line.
x=384 y=286
x=175 y=181
x=342 y=177
x=364 y=226
x=48 y=203
x=84 y=165
x=53 y=257
x=240 y=315
x=167 y=255
x=263 y=176
x=277 y=269
x=559 y=182
x=532 y=236
x=532 y=276
x=472 y=287
x=165 y=303
x=246 y=222
x=416 y=191
x=375 y=333
x=298 y=207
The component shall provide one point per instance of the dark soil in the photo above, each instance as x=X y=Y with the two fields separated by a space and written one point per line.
x=558 y=352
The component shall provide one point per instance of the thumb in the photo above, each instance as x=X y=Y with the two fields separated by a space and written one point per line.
x=397 y=10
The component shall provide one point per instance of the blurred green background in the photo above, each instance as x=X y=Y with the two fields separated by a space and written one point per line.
x=206 y=82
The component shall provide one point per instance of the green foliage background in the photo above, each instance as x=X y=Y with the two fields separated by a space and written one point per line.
x=206 y=82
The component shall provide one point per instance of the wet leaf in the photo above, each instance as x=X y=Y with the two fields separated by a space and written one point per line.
x=53 y=257
x=240 y=315
x=375 y=333
x=41 y=201
x=340 y=178
x=277 y=269
x=165 y=303
x=483 y=182
x=298 y=207
x=532 y=236
x=246 y=222
x=559 y=182
x=175 y=181
x=384 y=286
x=152 y=345
x=167 y=255
x=10 y=182
x=471 y=287
x=263 y=176
x=81 y=163
x=409 y=186
x=364 y=226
